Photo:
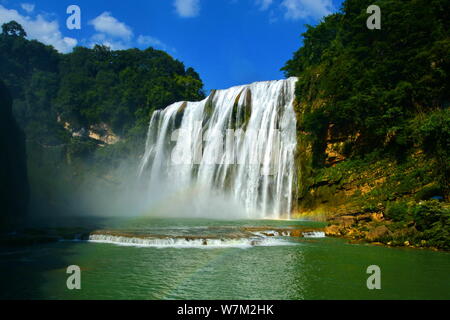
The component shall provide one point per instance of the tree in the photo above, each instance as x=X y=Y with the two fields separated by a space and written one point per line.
x=433 y=134
x=13 y=28
x=372 y=83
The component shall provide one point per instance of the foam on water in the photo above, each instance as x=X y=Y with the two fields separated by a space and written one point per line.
x=314 y=234
x=188 y=243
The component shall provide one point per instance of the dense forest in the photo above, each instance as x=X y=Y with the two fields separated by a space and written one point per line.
x=89 y=86
x=373 y=114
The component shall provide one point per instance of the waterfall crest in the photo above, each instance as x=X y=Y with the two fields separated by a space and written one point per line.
x=237 y=144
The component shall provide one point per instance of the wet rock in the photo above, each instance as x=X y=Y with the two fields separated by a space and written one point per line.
x=378 y=216
x=353 y=233
x=296 y=233
x=377 y=233
x=344 y=221
x=364 y=217
x=333 y=230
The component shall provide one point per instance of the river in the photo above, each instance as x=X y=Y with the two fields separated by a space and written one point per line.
x=229 y=264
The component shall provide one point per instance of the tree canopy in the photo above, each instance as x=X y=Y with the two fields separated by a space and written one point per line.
x=371 y=81
x=389 y=88
x=89 y=86
x=13 y=28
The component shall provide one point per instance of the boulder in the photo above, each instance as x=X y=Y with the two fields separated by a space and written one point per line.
x=344 y=221
x=377 y=216
x=377 y=233
x=332 y=230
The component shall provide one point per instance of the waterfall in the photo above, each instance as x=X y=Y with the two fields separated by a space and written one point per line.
x=237 y=144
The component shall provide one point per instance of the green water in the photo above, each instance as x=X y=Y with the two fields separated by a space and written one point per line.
x=316 y=268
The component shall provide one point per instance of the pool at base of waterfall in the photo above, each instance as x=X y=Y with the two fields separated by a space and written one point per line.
x=150 y=258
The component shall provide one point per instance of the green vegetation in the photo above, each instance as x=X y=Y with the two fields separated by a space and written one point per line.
x=121 y=88
x=372 y=108
x=89 y=87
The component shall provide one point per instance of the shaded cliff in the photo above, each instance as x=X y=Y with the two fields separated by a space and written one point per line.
x=14 y=189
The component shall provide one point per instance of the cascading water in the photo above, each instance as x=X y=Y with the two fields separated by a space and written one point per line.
x=237 y=144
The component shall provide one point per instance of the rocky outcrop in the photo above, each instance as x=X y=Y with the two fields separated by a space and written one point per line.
x=14 y=188
x=375 y=229
x=333 y=230
x=355 y=195
x=100 y=132
x=377 y=233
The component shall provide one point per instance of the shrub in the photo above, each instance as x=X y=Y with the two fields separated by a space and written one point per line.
x=434 y=219
x=427 y=213
x=397 y=211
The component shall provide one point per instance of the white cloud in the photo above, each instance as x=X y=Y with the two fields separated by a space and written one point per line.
x=111 y=32
x=117 y=35
x=151 y=41
x=103 y=39
x=40 y=29
x=28 y=7
x=107 y=24
x=300 y=9
x=264 y=4
x=187 y=8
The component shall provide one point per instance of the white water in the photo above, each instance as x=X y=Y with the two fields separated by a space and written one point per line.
x=188 y=243
x=314 y=234
x=230 y=155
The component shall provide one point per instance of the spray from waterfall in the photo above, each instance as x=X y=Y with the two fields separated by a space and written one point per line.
x=231 y=154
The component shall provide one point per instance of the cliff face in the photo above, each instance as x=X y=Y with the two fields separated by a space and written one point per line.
x=333 y=181
x=14 y=188
x=376 y=198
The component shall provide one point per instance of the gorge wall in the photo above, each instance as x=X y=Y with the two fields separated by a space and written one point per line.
x=14 y=189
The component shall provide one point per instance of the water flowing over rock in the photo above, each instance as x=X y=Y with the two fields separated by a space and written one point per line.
x=237 y=144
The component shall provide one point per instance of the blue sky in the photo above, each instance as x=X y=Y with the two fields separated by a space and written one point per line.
x=229 y=42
